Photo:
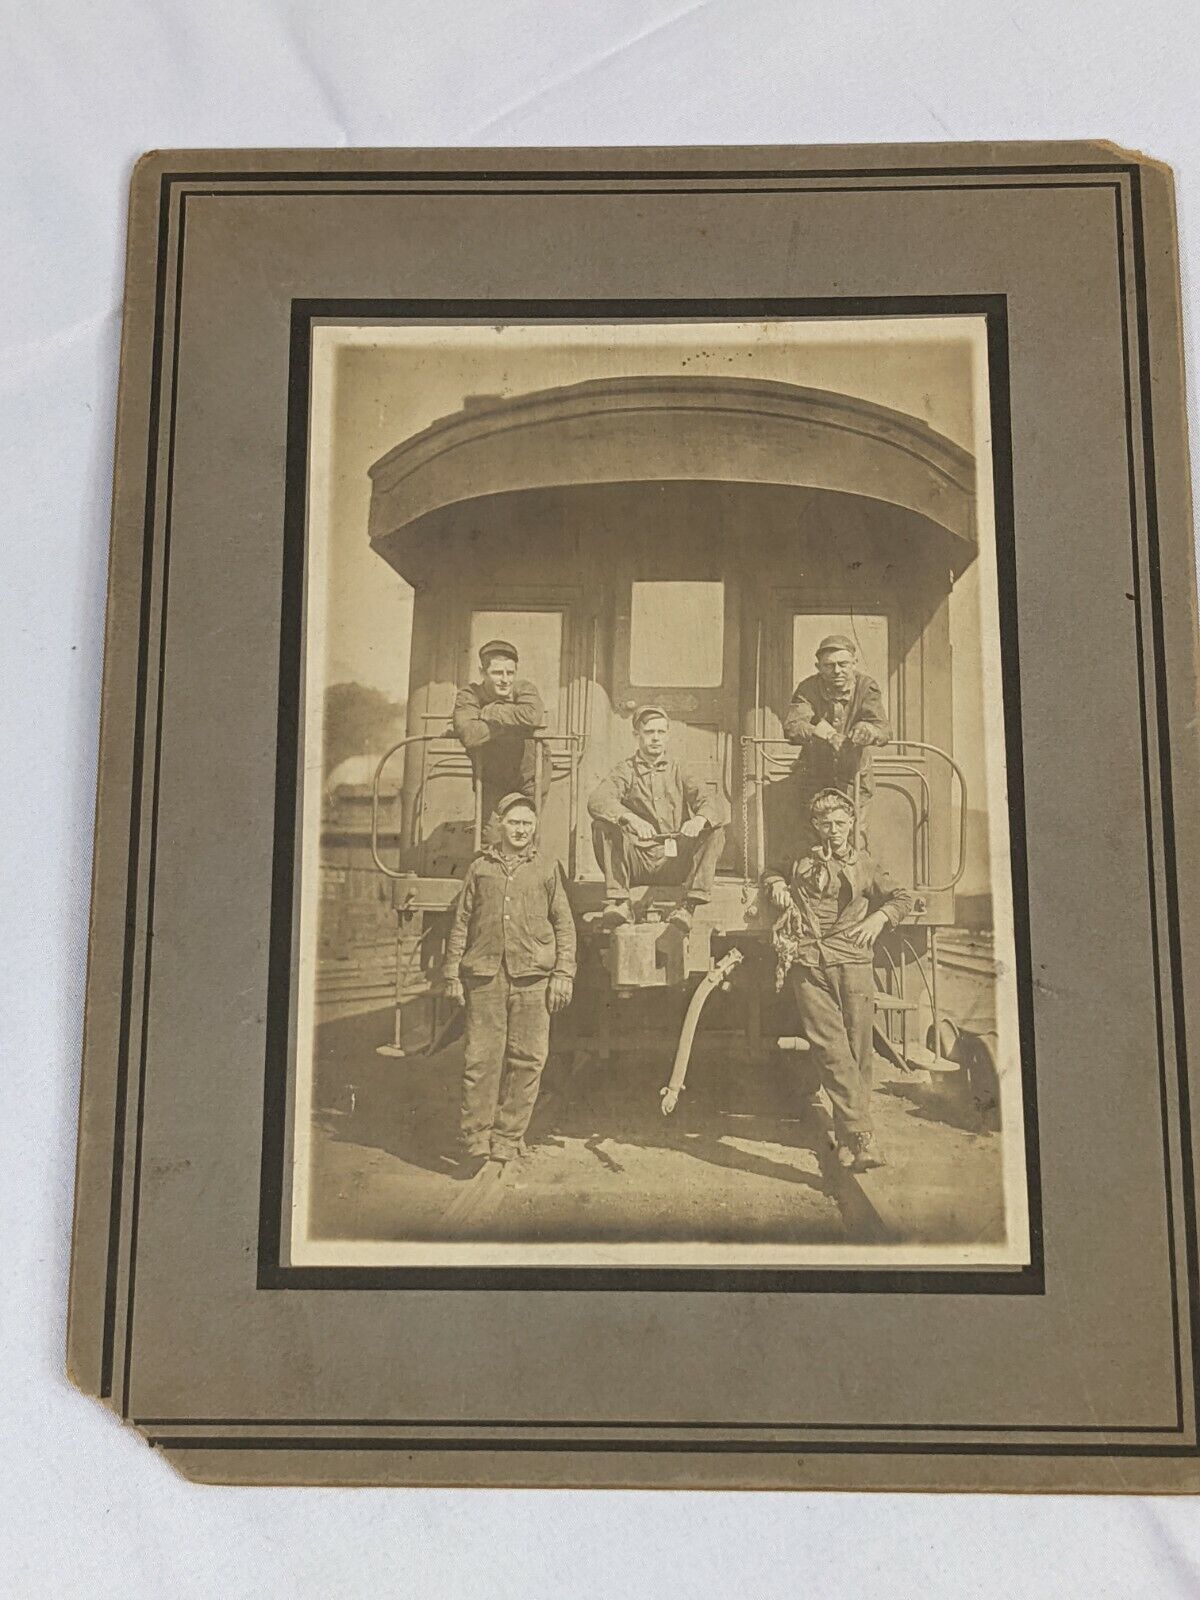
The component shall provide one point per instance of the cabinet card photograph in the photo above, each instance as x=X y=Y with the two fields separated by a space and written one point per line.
x=659 y=897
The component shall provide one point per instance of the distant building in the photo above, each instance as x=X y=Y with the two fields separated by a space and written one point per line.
x=356 y=926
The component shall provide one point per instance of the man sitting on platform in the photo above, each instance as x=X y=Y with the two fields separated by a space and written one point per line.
x=654 y=822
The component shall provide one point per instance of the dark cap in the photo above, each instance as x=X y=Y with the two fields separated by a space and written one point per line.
x=496 y=647
x=509 y=801
x=836 y=641
x=642 y=712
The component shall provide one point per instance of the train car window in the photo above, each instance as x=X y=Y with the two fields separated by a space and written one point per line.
x=538 y=638
x=869 y=630
x=677 y=635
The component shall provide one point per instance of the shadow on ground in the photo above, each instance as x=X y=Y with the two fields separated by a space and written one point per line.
x=607 y=1112
x=409 y=1107
x=946 y=1100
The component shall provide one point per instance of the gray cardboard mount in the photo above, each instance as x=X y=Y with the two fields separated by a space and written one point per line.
x=241 y=1377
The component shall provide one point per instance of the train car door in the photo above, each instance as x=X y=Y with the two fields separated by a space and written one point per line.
x=675 y=645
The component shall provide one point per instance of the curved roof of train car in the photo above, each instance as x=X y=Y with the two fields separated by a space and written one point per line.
x=660 y=429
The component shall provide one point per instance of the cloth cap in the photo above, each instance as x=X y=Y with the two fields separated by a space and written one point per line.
x=496 y=647
x=836 y=641
x=840 y=795
x=642 y=712
x=505 y=805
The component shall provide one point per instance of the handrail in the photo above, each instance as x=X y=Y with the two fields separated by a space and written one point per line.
x=539 y=739
x=762 y=746
x=921 y=814
x=413 y=738
x=920 y=835
x=902 y=745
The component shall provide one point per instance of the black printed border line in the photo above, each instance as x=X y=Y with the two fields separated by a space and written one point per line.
x=519 y=184
x=272 y=1273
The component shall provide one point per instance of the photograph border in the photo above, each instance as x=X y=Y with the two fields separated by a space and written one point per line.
x=274 y=1272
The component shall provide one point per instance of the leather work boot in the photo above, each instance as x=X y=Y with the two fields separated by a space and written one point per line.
x=616 y=914
x=867 y=1153
x=681 y=918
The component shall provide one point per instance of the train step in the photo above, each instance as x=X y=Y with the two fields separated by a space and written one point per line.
x=923 y=1060
x=892 y=1002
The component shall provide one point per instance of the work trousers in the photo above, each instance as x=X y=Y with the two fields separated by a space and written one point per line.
x=507 y=1041
x=837 y=1017
x=626 y=861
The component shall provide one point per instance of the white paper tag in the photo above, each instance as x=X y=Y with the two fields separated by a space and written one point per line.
x=670 y=848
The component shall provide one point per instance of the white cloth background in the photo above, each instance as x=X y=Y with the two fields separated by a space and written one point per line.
x=87 y=1509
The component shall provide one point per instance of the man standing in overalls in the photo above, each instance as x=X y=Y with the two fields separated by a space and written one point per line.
x=510 y=959
x=830 y=907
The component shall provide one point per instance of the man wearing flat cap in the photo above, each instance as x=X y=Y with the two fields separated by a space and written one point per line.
x=836 y=716
x=495 y=720
x=653 y=821
x=510 y=960
x=829 y=906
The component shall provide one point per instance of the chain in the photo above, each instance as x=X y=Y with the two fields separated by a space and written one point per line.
x=746 y=822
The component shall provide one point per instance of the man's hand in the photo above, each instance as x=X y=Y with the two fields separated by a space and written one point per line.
x=637 y=826
x=865 y=935
x=453 y=990
x=824 y=730
x=694 y=827
x=862 y=733
x=779 y=895
x=558 y=993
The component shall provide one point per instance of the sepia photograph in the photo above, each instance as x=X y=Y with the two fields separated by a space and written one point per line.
x=656 y=903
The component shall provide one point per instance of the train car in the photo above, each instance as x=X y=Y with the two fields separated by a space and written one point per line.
x=684 y=541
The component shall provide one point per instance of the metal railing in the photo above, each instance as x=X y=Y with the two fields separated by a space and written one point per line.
x=780 y=754
x=541 y=741
x=901 y=745
x=401 y=744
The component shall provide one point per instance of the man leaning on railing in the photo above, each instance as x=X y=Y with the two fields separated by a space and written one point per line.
x=495 y=720
x=836 y=716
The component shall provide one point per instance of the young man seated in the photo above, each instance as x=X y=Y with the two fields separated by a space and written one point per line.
x=510 y=959
x=654 y=822
x=831 y=905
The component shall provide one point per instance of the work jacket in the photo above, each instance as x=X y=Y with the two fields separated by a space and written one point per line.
x=666 y=795
x=496 y=735
x=820 y=765
x=515 y=912
x=862 y=886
